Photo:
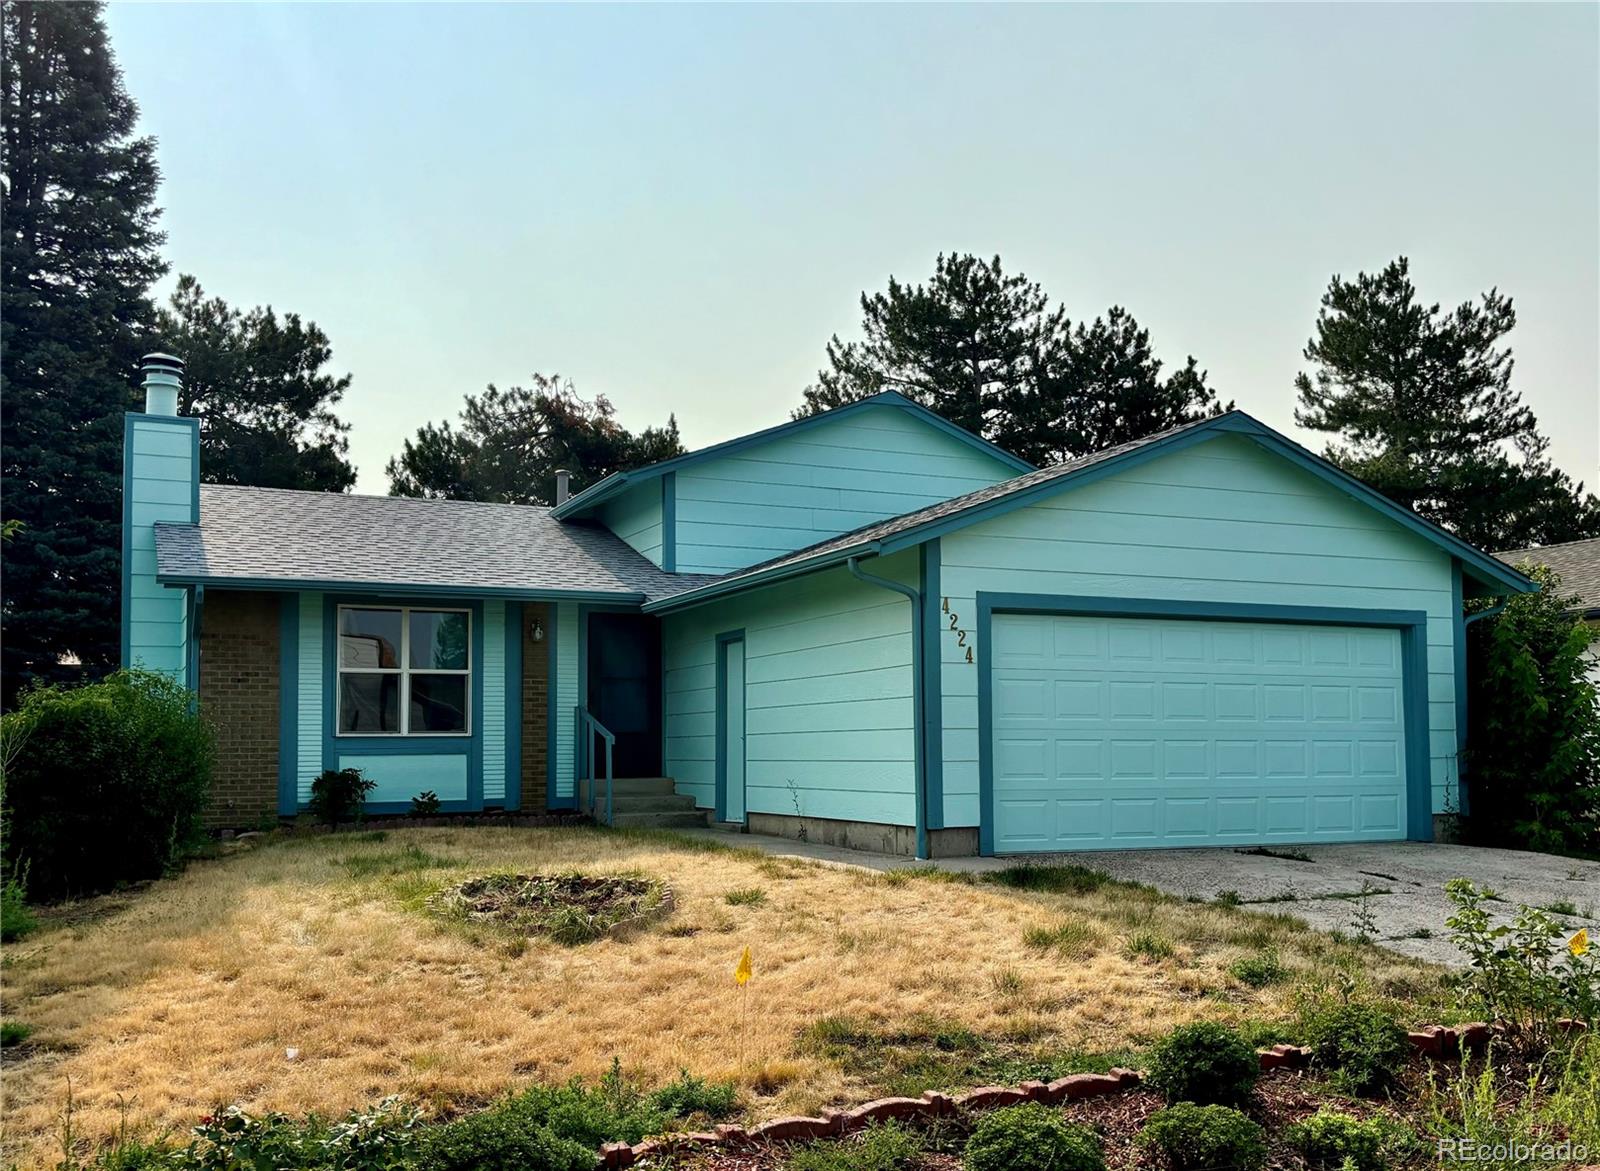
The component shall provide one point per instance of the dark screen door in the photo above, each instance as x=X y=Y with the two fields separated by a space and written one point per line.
x=625 y=689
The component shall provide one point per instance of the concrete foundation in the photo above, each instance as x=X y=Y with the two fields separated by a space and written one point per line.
x=874 y=837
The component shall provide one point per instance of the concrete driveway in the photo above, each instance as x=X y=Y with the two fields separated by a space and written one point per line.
x=1403 y=882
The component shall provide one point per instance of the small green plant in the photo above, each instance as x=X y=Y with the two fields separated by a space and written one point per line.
x=1359 y=1045
x=425 y=804
x=1063 y=879
x=1074 y=939
x=378 y=1139
x=16 y=917
x=1031 y=1138
x=746 y=896
x=691 y=1096
x=339 y=795
x=1339 y=1142
x=1229 y=898
x=885 y=1147
x=1150 y=946
x=1259 y=970
x=1204 y=1063
x=1523 y=973
x=1363 y=923
x=1205 y=1138
x=14 y=1033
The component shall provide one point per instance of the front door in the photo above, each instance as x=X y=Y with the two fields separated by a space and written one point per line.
x=730 y=728
x=624 y=689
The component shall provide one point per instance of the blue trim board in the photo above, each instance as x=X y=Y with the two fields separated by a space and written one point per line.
x=615 y=483
x=288 y=703
x=551 y=800
x=1412 y=624
x=196 y=607
x=515 y=617
x=719 y=803
x=669 y=522
x=932 y=697
x=392 y=590
x=127 y=540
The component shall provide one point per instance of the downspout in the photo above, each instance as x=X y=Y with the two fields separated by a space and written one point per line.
x=919 y=756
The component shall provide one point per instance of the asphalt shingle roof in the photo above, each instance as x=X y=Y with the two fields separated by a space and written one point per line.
x=1577 y=563
x=273 y=534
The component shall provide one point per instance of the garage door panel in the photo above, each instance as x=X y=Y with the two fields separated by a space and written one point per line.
x=1129 y=732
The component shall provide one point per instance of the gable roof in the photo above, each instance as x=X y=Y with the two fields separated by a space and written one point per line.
x=1577 y=563
x=913 y=528
x=619 y=482
x=273 y=538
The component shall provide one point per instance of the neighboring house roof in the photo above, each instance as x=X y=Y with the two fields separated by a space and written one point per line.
x=912 y=528
x=618 y=482
x=1576 y=563
x=278 y=539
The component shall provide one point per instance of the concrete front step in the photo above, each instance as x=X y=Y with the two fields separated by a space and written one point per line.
x=671 y=803
x=682 y=820
x=636 y=786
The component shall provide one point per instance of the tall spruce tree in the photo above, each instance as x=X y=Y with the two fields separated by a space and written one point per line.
x=510 y=443
x=258 y=385
x=78 y=254
x=986 y=350
x=1422 y=403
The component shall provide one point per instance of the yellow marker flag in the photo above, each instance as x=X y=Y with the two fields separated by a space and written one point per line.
x=741 y=974
x=1578 y=945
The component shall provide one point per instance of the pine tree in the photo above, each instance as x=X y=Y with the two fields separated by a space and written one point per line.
x=1422 y=403
x=258 y=386
x=988 y=352
x=78 y=254
x=510 y=443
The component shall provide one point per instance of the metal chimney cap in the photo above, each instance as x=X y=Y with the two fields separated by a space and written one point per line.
x=159 y=361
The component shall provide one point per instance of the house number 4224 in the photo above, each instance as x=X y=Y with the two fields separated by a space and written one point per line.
x=961 y=635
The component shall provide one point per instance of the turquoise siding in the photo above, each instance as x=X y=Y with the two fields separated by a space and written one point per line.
x=635 y=516
x=1222 y=521
x=160 y=474
x=490 y=720
x=400 y=778
x=565 y=689
x=828 y=697
x=309 y=693
x=806 y=486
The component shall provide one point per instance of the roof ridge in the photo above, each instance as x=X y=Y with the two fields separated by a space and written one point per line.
x=1551 y=545
x=371 y=496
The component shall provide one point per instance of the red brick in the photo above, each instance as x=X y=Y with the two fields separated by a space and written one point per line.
x=1083 y=1085
x=788 y=1129
x=616 y=1155
x=883 y=1109
x=239 y=682
x=991 y=1098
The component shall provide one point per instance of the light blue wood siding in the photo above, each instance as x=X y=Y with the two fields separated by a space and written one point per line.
x=807 y=486
x=565 y=687
x=159 y=483
x=491 y=720
x=402 y=777
x=828 y=695
x=635 y=516
x=1222 y=521
x=309 y=723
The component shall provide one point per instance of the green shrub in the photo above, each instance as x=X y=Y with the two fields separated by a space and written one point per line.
x=1336 y=1141
x=1031 y=1138
x=1359 y=1045
x=1259 y=970
x=14 y=1033
x=1204 y=1063
x=1205 y=1138
x=106 y=783
x=889 y=1147
x=233 y=1139
x=690 y=1096
x=16 y=919
x=499 y=1139
x=425 y=804
x=339 y=795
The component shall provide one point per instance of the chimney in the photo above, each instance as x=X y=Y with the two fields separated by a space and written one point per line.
x=563 y=479
x=163 y=378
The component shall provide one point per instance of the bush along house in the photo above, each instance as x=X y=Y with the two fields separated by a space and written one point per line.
x=868 y=626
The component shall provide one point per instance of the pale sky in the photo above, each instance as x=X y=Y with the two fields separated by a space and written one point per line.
x=676 y=206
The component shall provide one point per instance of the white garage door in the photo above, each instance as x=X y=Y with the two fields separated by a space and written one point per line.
x=1112 y=733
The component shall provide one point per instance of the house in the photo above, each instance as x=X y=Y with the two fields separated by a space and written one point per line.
x=866 y=627
x=1577 y=564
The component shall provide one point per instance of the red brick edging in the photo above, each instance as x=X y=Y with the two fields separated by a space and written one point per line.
x=1431 y=1041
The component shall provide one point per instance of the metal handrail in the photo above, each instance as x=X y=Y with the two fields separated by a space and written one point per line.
x=586 y=728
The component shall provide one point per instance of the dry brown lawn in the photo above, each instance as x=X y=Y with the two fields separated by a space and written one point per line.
x=192 y=992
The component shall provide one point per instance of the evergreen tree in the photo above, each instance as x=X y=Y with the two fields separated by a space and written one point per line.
x=510 y=444
x=258 y=386
x=78 y=254
x=1422 y=404
x=987 y=351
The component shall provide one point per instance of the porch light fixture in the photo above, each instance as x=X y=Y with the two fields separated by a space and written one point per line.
x=536 y=629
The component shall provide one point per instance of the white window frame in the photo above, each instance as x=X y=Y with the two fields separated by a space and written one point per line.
x=405 y=671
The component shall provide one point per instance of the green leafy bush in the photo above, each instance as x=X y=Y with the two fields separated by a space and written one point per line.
x=383 y=1138
x=889 y=1147
x=106 y=783
x=338 y=795
x=501 y=1138
x=1205 y=1138
x=16 y=919
x=1336 y=1141
x=1523 y=973
x=1259 y=970
x=1360 y=1046
x=1533 y=725
x=689 y=1096
x=1031 y=1138
x=424 y=804
x=1204 y=1063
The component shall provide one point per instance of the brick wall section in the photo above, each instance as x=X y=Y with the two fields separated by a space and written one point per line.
x=239 y=655
x=535 y=704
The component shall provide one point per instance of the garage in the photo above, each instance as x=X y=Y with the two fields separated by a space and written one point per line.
x=1110 y=732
